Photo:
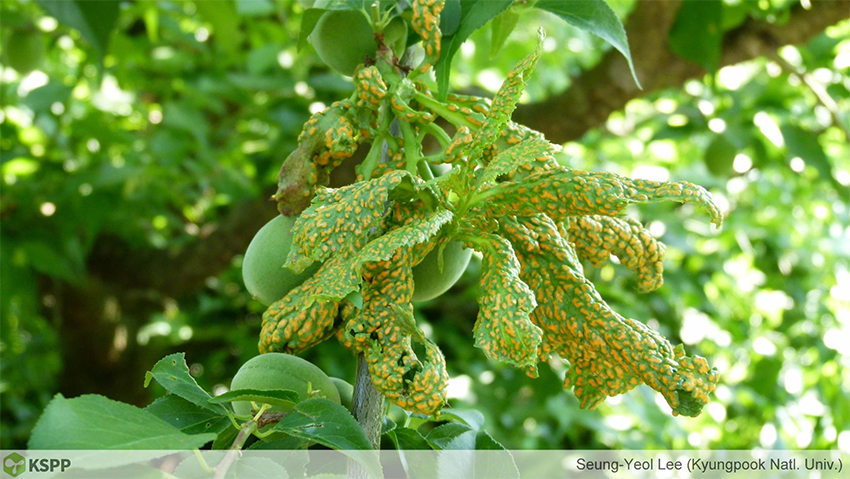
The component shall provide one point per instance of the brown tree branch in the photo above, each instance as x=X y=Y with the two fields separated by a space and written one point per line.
x=172 y=274
x=608 y=86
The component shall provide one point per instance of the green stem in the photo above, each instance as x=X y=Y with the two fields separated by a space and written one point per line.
x=480 y=196
x=440 y=134
x=233 y=453
x=375 y=17
x=424 y=170
x=371 y=161
x=411 y=152
x=204 y=466
x=441 y=109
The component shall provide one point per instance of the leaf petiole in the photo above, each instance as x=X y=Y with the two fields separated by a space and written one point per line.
x=441 y=109
x=434 y=130
x=411 y=152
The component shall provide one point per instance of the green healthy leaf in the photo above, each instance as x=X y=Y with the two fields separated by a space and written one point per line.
x=172 y=373
x=388 y=426
x=500 y=29
x=342 y=219
x=416 y=465
x=333 y=426
x=342 y=275
x=151 y=19
x=471 y=417
x=462 y=442
x=225 y=439
x=596 y=17
x=462 y=461
x=503 y=329
x=450 y=17
x=282 y=397
x=697 y=33
x=288 y=443
x=224 y=19
x=308 y=23
x=474 y=15
x=485 y=442
x=94 y=20
x=253 y=467
x=95 y=422
x=719 y=156
x=409 y=439
x=187 y=417
x=528 y=151
x=442 y=435
x=325 y=422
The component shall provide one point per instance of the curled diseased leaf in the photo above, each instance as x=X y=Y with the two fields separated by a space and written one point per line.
x=371 y=89
x=383 y=330
x=504 y=103
x=328 y=138
x=596 y=238
x=426 y=23
x=297 y=322
x=343 y=273
x=562 y=192
x=342 y=219
x=608 y=354
x=503 y=328
x=530 y=151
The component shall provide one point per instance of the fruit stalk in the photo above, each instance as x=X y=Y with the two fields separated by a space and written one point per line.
x=235 y=450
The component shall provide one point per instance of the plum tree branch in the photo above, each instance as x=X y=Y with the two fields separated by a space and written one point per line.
x=608 y=86
x=176 y=273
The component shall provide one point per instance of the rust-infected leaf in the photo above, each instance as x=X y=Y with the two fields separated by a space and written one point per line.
x=596 y=238
x=503 y=329
x=608 y=354
x=562 y=192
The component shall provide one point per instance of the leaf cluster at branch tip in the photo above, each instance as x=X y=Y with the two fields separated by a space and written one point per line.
x=532 y=219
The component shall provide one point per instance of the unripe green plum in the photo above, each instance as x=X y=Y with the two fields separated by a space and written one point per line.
x=282 y=371
x=343 y=39
x=262 y=269
x=429 y=282
x=346 y=392
x=24 y=50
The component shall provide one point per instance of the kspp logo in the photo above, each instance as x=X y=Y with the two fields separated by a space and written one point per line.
x=14 y=464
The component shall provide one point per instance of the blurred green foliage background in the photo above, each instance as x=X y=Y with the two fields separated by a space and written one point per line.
x=138 y=154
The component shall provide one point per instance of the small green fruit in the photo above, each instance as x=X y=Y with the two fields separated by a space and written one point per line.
x=346 y=392
x=343 y=39
x=24 y=50
x=282 y=371
x=262 y=268
x=429 y=282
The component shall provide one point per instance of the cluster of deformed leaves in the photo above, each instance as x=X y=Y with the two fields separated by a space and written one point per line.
x=531 y=219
